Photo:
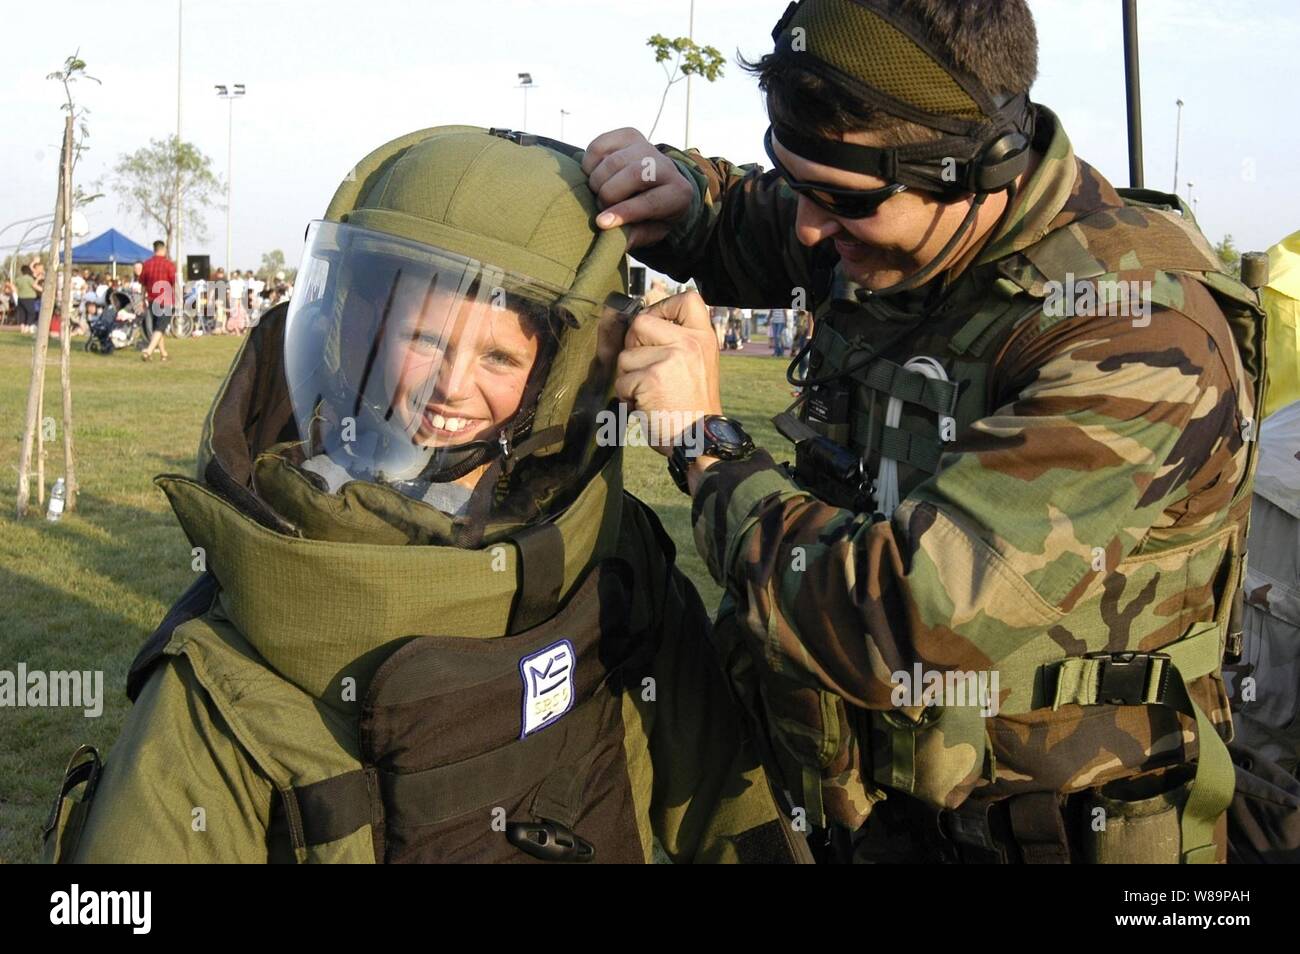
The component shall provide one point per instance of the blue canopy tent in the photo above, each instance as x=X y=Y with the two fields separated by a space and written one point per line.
x=111 y=247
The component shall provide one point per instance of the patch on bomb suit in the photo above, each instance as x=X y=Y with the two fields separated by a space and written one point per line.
x=548 y=685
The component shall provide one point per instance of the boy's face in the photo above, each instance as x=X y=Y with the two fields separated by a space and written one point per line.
x=457 y=373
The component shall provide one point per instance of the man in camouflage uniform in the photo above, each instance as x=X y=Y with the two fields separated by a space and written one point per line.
x=1023 y=453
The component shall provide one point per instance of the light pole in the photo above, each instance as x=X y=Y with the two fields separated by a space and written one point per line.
x=690 y=33
x=563 y=113
x=525 y=83
x=176 y=237
x=1178 y=142
x=229 y=94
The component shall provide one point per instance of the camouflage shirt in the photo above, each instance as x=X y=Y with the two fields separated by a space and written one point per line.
x=1071 y=517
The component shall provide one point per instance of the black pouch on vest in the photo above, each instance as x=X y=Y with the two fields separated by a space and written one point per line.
x=1264 y=817
x=510 y=749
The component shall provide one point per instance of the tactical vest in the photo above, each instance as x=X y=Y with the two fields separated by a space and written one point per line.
x=839 y=761
x=455 y=767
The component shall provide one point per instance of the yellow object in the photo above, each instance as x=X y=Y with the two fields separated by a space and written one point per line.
x=1281 y=301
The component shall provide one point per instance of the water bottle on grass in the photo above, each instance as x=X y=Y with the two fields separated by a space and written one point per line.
x=57 y=497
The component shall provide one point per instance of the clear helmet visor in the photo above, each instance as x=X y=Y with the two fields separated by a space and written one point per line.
x=407 y=363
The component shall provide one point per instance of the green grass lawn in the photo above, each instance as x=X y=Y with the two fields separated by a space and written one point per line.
x=85 y=593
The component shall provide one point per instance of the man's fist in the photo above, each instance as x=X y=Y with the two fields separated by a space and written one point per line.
x=636 y=185
x=669 y=367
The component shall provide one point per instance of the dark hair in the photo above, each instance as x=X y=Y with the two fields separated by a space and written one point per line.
x=993 y=40
x=159 y=245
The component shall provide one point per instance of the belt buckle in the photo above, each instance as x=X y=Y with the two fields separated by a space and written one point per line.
x=1122 y=680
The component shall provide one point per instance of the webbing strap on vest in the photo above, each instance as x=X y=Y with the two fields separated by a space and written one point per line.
x=829 y=344
x=336 y=807
x=907 y=447
x=909 y=386
x=1039 y=828
x=541 y=575
x=1161 y=679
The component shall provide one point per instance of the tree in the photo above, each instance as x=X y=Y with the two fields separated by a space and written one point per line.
x=272 y=262
x=692 y=60
x=34 y=425
x=74 y=69
x=145 y=182
x=1228 y=255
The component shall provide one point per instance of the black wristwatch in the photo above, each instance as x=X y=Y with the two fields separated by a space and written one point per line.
x=720 y=437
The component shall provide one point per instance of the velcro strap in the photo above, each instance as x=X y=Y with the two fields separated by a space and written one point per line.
x=830 y=345
x=918 y=451
x=335 y=807
x=541 y=572
x=1039 y=828
x=912 y=387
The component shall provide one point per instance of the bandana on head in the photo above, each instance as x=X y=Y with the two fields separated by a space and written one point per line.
x=886 y=57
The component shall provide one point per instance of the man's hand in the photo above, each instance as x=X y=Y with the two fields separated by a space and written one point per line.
x=669 y=367
x=636 y=185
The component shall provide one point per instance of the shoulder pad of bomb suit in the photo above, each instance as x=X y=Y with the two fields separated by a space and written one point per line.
x=193 y=603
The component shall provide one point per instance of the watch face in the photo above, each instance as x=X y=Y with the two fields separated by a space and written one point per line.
x=723 y=431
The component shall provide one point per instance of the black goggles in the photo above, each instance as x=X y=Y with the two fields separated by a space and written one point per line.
x=846 y=203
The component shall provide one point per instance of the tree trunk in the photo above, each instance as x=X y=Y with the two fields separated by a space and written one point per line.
x=663 y=99
x=65 y=332
x=40 y=446
x=41 y=346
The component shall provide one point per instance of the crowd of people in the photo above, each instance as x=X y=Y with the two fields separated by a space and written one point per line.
x=220 y=305
x=236 y=301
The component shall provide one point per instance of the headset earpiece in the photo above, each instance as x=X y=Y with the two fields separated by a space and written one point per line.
x=999 y=164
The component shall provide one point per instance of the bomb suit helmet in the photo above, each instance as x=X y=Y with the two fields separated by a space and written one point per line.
x=447 y=320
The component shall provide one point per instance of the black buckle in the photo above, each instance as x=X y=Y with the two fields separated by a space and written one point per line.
x=1123 y=677
x=622 y=307
x=76 y=773
x=1233 y=648
x=549 y=841
x=514 y=135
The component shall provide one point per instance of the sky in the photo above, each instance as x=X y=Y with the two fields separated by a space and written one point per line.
x=330 y=80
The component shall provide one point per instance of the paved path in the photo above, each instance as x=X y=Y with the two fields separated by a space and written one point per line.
x=758 y=348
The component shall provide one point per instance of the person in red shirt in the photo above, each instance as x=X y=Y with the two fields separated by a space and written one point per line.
x=158 y=276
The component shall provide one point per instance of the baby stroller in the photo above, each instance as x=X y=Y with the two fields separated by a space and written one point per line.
x=106 y=332
x=732 y=340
